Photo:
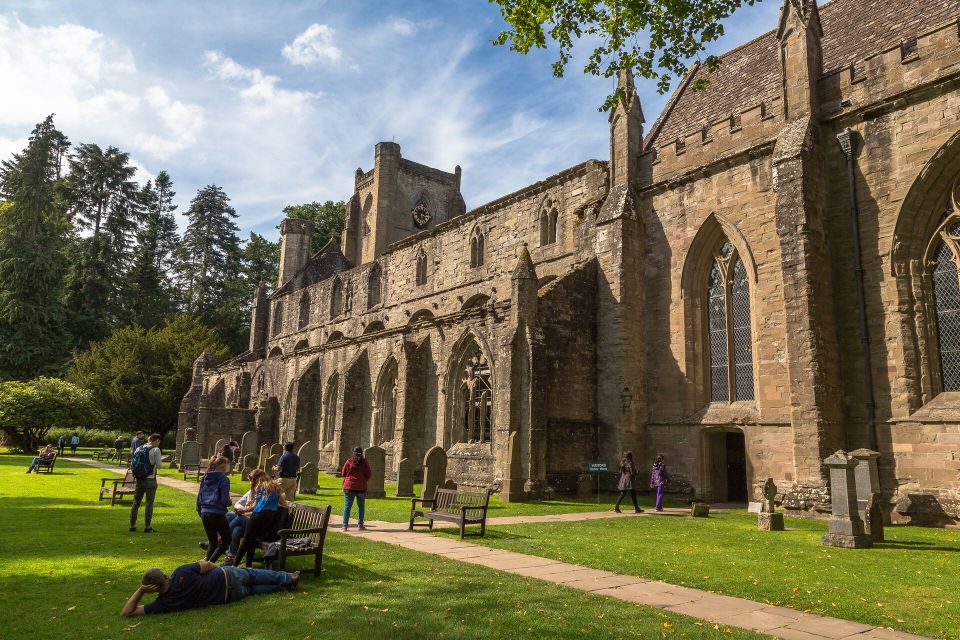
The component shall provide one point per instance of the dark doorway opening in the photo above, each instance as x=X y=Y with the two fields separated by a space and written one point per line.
x=736 y=467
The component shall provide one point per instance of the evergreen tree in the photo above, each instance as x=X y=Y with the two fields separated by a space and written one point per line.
x=260 y=261
x=151 y=294
x=209 y=255
x=327 y=218
x=103 y=198
x=34 y=232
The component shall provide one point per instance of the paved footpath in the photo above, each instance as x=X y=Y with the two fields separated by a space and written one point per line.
x=779 y=622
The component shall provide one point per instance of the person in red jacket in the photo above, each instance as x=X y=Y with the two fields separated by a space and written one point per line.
x=355 y=472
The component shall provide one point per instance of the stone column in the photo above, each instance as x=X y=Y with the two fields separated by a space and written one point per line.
x=845 y=526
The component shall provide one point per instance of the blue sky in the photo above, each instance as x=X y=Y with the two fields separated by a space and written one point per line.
x=279 y=103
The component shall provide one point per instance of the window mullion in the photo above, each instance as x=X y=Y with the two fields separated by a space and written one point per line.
x=731 y=356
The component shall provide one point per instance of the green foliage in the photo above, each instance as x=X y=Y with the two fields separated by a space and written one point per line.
x=327 y=217
x=104 y=437
x=138 y=376
x=33 y=238
x=29 y=409
x=654 y=38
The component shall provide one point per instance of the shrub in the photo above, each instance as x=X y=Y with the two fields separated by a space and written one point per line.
x=28 y=410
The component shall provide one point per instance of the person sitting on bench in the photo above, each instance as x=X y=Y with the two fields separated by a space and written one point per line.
x=201 y=584
x=48 y=454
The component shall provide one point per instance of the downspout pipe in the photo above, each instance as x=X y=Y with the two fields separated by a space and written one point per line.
x=848 y=144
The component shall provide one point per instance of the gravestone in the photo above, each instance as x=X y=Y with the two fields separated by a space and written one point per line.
x=700 y=510
x=308 y=478
x=450 y=485
x=309 y=453
x=873 y=518
x=218 y=446
x=754 y=507
x=270 y=463
x=513 y=478
x=434 y=472
x=248 y=444
x=845 y=528
x=189 y=453
x=262 y=458
x=276 y=449
x=249 y=464
x=376 y=458
x=405 y=478
x=867 y=478
x=768 y=519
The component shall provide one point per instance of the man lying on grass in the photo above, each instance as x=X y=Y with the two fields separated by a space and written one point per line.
x=203 y=583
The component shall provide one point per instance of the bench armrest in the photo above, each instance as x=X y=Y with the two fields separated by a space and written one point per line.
x=104 y=481
x=413 y=502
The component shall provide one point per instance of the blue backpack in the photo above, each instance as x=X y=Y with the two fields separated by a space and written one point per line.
x=140 y=464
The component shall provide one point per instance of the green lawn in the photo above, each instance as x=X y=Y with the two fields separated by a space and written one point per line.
x=69 y=563
x=393 y=509
x=909 y=583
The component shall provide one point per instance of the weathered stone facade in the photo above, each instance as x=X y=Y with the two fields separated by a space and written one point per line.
x=695 y=296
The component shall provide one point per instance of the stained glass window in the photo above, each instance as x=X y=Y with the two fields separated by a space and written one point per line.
x=742 y=344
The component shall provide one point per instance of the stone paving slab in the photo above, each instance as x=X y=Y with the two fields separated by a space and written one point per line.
x=779 y=622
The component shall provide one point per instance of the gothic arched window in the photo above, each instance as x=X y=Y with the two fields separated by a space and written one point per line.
x=304 y=316
x=476 y=248
x=473 y=397
x=385 y=407
x=946 y=298
x=728 y=320
x=276 y=327
x=336 y=298
x=348 y=297
x=374 y=287
x=421 y=267
x=549 y=217
x=330 y=411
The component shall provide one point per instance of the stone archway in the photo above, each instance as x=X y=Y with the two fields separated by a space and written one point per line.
x=724 y=468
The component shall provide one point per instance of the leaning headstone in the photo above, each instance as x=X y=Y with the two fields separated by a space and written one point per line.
x=768 y=519
x=700 y=510
x=189 y=453
x=249 y=464
x=309 y=453
x=218 y=446
x=434 y=472
x=276 y=449
x=405 y=478
x=248 y=443
x=308 y=478
x=845 y=528
x=867 y=478
x=262 y=458
x=376 y=458
x=873 y=520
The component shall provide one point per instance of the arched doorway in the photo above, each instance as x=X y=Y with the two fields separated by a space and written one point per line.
x=724 y=467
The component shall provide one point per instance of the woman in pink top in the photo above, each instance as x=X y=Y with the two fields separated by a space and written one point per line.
x=355 y=472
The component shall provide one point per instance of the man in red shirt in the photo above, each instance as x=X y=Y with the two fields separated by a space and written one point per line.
x=355 y=472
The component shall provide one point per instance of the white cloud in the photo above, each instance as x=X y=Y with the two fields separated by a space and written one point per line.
x=403 y=26
x=260 y=91
x=312 y=46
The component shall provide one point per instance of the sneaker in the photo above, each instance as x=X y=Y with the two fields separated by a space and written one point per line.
x=295 y=576
x=617 y=510
x=133 y=528
x=344 y=529
x=149 y=530
x=228 y=562
x=360 y=527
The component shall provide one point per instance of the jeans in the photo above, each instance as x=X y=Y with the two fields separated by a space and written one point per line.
x=218 y=534
x=633 y=496
x=659 y=489
x=238 y=524
x=33 y=465
x=245 y=582
x=348 y=498
x=146 y=487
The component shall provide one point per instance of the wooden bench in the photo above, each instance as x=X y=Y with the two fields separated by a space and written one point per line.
x=119 y=487
x=46 y=466
x=105 y=454
x=197 y=470
x=122 y=458
x=303 y=521
x=460 y=507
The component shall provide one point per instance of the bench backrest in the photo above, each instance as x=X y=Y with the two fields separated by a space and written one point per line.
x=128 y=477
x=306 y=517
x=450 y=500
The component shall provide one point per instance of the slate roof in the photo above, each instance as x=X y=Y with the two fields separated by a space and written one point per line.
x=750 y=74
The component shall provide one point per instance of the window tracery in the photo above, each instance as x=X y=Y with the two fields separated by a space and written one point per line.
x=374 y=287
x=728 y=321
x=421 y=275
x=473 y=413
x=549 y=219
x=477 y=248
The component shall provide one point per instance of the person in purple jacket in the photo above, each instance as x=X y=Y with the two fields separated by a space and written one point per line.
x=213 y=500
x=659 y=479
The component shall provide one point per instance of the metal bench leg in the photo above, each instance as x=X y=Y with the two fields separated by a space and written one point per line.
x=463 y=526
x=430 y=526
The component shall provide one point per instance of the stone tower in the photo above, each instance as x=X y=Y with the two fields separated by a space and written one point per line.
x=295 y=236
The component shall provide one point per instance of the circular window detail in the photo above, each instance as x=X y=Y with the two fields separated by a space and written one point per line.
x=421 y=216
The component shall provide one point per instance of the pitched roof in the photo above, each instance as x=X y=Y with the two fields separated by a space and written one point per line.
x=750 y=74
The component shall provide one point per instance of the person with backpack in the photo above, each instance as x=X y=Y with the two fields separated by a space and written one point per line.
x=213 y=500
x=143 y=465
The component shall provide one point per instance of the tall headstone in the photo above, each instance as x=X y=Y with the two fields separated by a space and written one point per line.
x=376 y=458
x=309 y=453
x=189 y=453
x=434 y=471
x=262 y=458
x=270 y=463
x=218 y=446
x=276 y=449
x=248 y=443
x=873 y=518
x=405 y=478
x=249 y=464
x=845 y=528
x=867 y=476
x=513 y=480
x=308 y=478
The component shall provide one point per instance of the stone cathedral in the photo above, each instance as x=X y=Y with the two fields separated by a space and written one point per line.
x=766 y=274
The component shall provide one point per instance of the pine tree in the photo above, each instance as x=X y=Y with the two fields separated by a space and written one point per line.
x=209 y=255
x=34 y=232
x=151 y=294
x=103 y=198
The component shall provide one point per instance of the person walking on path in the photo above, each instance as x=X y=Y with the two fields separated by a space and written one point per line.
x=262 y=520
x=659 y=479
x=74 y=443
x=356 y=472
x=201 y=584
x=287 y=467
x=144 y=464
x=136 y=442
x=628 y=474
x=61 y=443
x=118 y=446
x=213 y=500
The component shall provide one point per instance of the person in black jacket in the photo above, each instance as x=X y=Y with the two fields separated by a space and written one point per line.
x=628 y=473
